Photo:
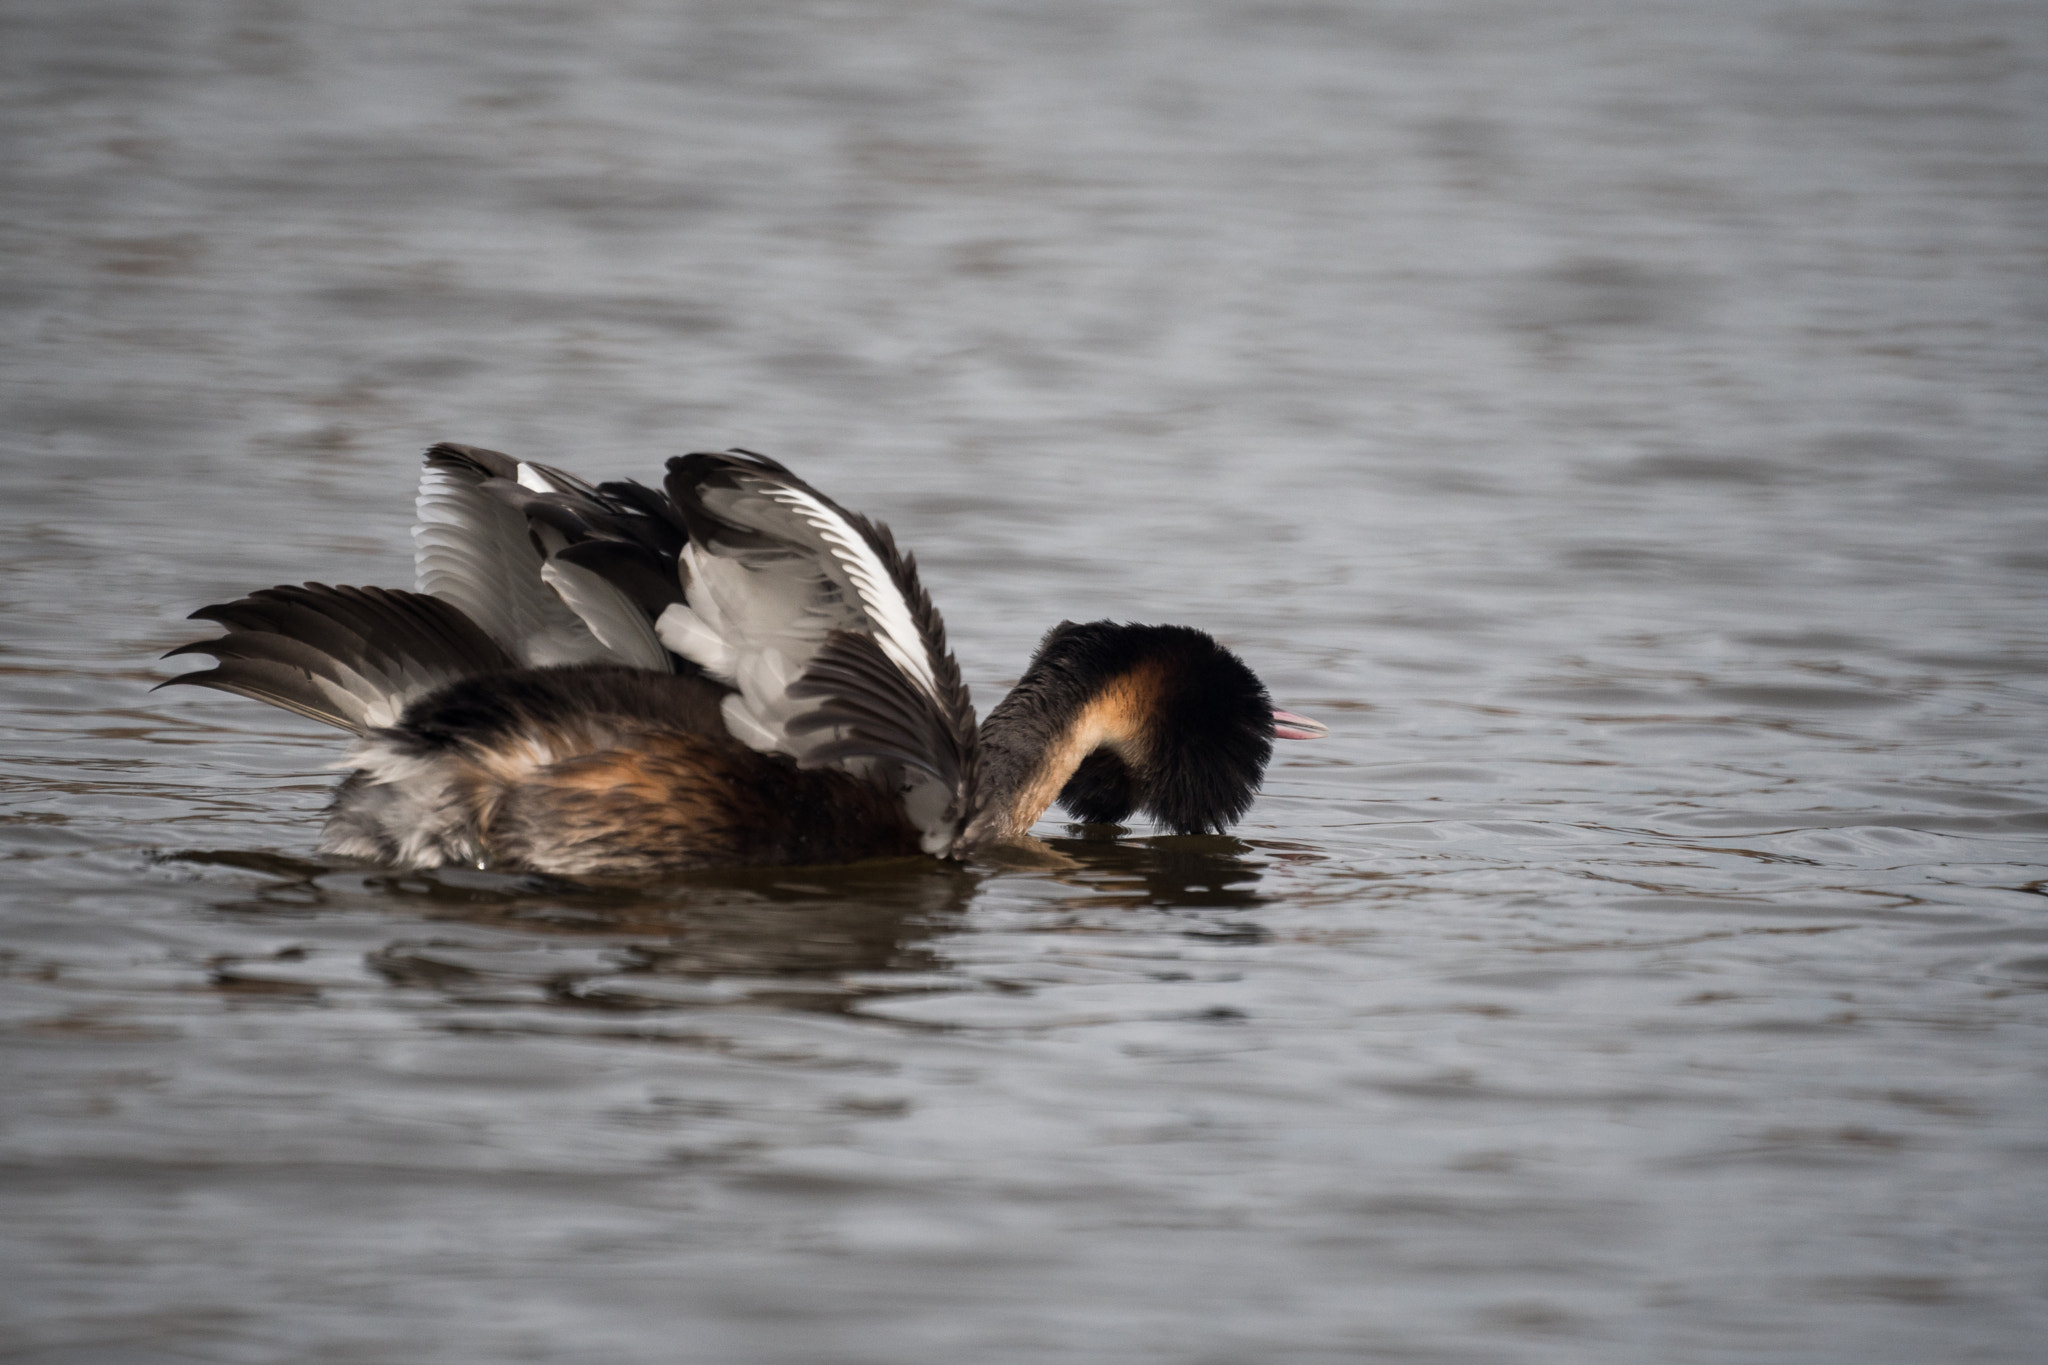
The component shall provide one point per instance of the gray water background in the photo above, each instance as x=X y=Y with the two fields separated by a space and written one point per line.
x=1625 y=424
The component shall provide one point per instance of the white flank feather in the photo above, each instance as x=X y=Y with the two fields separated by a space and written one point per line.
x=422 y=809
x=739 y=719
x=683 y=631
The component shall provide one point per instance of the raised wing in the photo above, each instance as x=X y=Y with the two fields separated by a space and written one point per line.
x=555 y=569
x=835 y=652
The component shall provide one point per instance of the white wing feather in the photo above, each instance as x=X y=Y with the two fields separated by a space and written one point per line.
x=756 y=619
x=894 y=627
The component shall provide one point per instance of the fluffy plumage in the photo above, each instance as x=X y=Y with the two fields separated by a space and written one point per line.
x=1120 y=718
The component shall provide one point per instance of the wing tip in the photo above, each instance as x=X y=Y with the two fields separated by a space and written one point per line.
x=475 y=461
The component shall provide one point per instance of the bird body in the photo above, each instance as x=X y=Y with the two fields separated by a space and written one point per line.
x=613 y=680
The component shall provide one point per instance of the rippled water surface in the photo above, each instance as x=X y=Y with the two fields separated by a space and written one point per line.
x=1624 y=424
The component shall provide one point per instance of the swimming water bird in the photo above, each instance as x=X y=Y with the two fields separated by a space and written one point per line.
x=731 y=670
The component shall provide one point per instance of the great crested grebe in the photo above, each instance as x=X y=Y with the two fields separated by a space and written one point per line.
x=610 y=680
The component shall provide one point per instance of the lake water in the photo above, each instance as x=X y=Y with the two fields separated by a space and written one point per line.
x=1625 y=424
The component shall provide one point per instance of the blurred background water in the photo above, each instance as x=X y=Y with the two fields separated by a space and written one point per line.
x=1623 y=423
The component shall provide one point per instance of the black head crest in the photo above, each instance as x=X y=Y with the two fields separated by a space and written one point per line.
x=1201 y=721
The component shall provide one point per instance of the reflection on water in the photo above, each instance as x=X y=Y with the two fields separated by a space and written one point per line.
x=1622 y=424
x=809 y=937
x=812 y=938
x=1209 y=871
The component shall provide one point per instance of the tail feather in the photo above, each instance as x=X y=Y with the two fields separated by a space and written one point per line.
x=354 y=658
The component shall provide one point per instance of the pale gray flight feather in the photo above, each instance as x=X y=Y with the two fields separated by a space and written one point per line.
x=474 y=551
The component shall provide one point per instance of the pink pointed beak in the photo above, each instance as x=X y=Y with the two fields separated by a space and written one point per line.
x=1287 y=725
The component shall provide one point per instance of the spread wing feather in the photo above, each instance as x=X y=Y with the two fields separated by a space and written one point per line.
x=349 y=657
x=473 y=550
x=556 y=569
x=869 y=707
x=611 y=615
x=810 y=613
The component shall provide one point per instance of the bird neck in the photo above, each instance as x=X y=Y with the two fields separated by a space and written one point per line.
x=1039 y=734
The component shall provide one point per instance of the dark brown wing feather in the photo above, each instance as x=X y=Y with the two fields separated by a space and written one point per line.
x=878 y=711
x=349 y=657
